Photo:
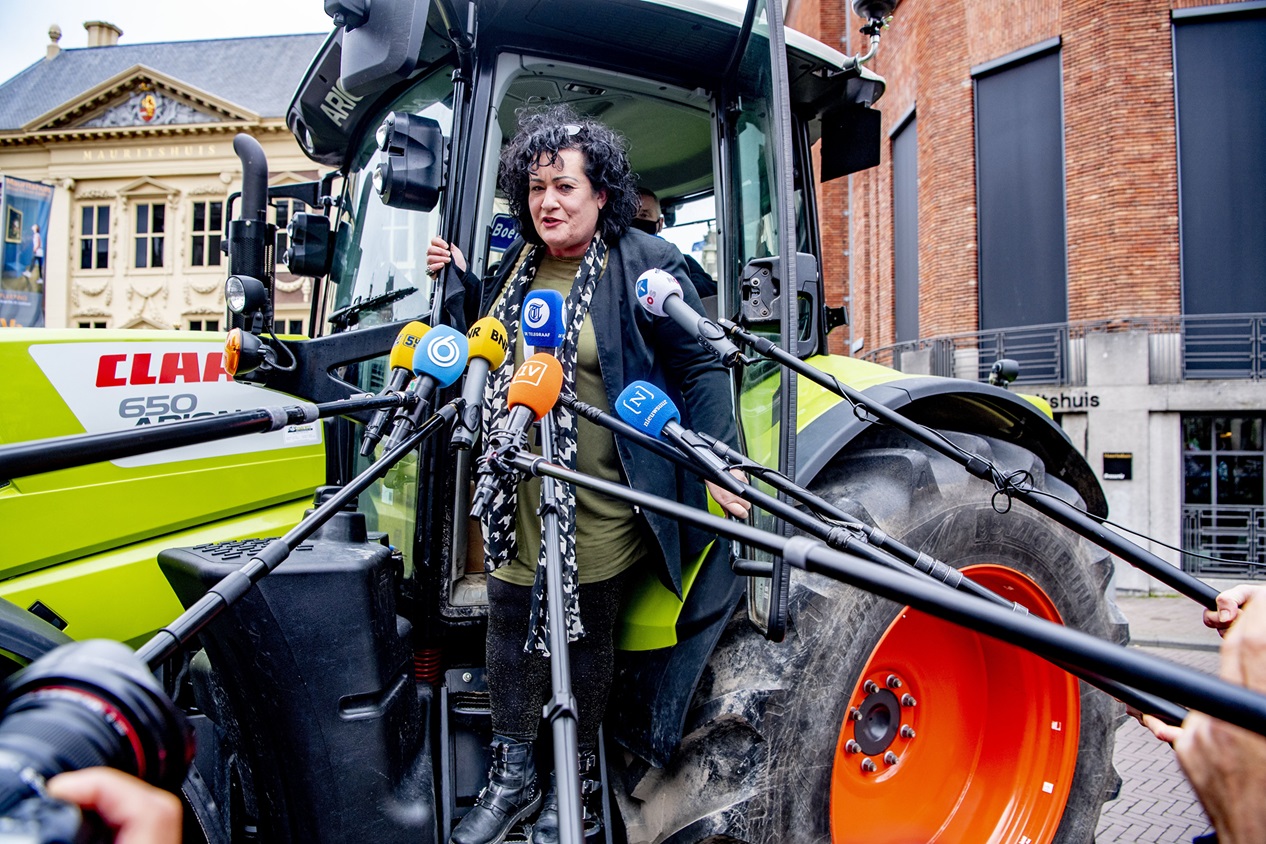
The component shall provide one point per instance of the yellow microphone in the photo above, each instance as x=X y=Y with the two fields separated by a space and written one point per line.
x=401 y=363
x=488 y=348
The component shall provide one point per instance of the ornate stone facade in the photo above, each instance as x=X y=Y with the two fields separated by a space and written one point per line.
x=144 y=170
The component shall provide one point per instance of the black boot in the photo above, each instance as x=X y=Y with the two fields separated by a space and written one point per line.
x=510 y=796
x=545 y=831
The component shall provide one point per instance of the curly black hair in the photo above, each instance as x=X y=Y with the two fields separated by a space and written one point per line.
x=549 y=130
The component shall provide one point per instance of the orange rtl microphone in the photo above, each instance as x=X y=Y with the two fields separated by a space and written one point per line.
x=533 y=393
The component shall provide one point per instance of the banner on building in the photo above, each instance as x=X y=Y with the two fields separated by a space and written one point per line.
x=24 y=212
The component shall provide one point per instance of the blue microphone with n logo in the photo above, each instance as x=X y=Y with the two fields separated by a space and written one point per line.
x=649 y=409
x=542 y=320
x=438 y=361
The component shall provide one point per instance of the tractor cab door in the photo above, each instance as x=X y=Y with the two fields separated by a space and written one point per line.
x=758 y=203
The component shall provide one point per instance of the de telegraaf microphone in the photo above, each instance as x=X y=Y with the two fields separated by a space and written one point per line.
x=488 y=346
x=401 y=364
x=660 y=293
x=533 y=393
x=437 y=362
x=542 y=320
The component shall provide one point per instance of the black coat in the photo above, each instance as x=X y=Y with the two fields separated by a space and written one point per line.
x=634 y=345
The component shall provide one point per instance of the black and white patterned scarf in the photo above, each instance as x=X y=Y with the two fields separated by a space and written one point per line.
x=500 y=543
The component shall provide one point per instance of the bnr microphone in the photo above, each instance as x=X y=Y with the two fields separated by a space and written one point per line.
x=660 y=293
x=533 y=392
x=488 y=346
x=437 y=362
x=401 y=367
x=542 y=319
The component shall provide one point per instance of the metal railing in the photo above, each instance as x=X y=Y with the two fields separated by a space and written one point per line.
x=1235 y=533
x=1180 y=348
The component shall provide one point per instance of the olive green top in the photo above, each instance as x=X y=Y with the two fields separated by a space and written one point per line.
x=609 y=535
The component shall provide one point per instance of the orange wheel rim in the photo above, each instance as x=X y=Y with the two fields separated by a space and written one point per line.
x=953 y=736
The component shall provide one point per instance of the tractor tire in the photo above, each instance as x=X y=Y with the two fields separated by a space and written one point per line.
x=960 y=738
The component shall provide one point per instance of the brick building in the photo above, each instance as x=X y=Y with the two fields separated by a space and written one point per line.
x=1083 y=190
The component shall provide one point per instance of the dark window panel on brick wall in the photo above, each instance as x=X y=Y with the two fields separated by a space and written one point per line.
x=905 y=229
x=1021 y=223
x=1220 y=62
x=1020 y=194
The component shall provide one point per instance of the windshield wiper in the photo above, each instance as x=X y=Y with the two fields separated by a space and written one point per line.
x=348 y=316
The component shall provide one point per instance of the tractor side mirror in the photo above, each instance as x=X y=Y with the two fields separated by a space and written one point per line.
x=381 y=41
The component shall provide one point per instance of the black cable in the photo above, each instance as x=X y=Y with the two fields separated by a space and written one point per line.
x=1105 y=521
x=1005 y=483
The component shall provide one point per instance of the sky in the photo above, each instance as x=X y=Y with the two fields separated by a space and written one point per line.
x=24 y=23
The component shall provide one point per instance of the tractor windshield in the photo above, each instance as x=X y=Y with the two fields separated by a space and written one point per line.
x=379 y=272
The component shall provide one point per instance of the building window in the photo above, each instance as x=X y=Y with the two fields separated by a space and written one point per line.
x=905 y=229
x=150 y=226
x=1223 y=495
x=293 y=326
x=205 y=234
x=94 y=237
x=1020 y=211
x=1219 y=65
x=285 y=209
x=83 y=323
x=204 y=325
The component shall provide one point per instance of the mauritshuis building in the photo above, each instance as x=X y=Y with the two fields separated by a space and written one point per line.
x=1081 y=188
x=134 y=144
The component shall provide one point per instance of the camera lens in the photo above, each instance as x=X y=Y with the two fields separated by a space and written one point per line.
x=85 y=704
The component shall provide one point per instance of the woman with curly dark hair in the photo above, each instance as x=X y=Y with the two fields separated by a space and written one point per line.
x=569 y=184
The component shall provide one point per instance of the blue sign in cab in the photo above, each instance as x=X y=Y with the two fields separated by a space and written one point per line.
x=505 y=229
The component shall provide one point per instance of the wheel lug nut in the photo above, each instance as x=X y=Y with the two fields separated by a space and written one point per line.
x=870 y=686
x=894 y=682
x=852 y=747
x=907 y=731
x=890 y=758
x=855 y=714
x=868 y=765
x=908 y=700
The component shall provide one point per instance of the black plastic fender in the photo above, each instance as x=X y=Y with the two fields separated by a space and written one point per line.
x=952 y=404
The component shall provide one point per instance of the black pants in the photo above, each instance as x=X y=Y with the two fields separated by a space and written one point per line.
x=519 y=681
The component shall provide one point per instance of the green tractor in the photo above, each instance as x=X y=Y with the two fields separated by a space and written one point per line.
x=343 y=697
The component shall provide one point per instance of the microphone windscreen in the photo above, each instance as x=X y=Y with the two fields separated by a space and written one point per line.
x=542 y=322
x=646 y=407
x=487 y=339
x=441 y=354
x=537 y=384
x=406 y=345
x=654 y=287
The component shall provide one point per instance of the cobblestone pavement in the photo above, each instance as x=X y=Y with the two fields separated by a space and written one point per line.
x=1156 y=804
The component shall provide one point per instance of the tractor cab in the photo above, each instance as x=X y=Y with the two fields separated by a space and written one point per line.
x=414 y=115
